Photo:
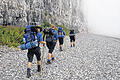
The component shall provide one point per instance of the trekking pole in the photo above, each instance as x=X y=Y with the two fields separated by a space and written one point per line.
x=64 y=44
x=41 y=70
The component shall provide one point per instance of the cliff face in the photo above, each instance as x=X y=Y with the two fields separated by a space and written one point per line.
x=24 y=12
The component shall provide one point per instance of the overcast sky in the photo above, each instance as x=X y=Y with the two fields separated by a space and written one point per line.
x=103 y=16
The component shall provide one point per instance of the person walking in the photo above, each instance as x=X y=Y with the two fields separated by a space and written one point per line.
x=51 y=39
x=72 y=38
x=32 y=33
x=61 y=36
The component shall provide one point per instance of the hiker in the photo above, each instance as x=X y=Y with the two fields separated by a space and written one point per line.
x=72 y=38
x=32 y=33
x=51 y=39
x=61 y=36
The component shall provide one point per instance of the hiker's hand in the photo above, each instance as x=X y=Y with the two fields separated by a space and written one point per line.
x=56 y=40
x=43 y=42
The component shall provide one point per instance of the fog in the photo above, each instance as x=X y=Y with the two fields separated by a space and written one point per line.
x=103 y=16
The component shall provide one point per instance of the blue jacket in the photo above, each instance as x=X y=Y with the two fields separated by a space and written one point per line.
x=39 y=37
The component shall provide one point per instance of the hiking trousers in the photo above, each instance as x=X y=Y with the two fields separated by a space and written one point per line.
x=31 y=53
x=61 y=40
x=72 y=38
x=51 y=46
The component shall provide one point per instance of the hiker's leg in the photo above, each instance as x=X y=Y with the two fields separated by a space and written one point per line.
x=51 y=49
x=38 y=55
x=28 y=69
x=74 y=41
x=61 y=43
x=53 y=46
x=61 y=47
x=30 y=58
x=38 y=65
x=29 y=65
x=49 y=58
x=73 y=44
x=70 y=42
x=49 y=53
x=52 y=57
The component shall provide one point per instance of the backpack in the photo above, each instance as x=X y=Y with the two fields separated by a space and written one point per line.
x=29 y=38
x=60 y=31
x=30 y=33
x=72 y=33
x=50 y=33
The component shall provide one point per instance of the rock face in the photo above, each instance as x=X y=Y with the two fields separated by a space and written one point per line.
x=24 y=12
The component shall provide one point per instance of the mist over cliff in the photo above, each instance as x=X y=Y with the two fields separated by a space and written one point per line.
x=24 y=12
x=103 y=16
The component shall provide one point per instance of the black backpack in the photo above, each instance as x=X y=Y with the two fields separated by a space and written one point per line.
x=72 y=33
x=49 y=35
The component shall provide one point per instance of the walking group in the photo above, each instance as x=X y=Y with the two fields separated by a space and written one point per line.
x=35 y=35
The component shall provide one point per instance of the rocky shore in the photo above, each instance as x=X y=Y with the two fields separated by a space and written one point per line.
x=93 y=58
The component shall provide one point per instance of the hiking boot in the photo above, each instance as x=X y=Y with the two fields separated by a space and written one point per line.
x=48 y=62
x=52 y=59
x=39 y=68
x=28 y=73
x=61 y=49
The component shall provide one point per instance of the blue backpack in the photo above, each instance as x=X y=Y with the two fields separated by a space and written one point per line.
x=30 y=34
x=29 y=38
x=60 y=31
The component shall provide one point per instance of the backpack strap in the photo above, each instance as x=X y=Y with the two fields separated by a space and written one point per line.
x=33 y=38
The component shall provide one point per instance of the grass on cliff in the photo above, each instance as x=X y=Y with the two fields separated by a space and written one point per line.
x=12 y=36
